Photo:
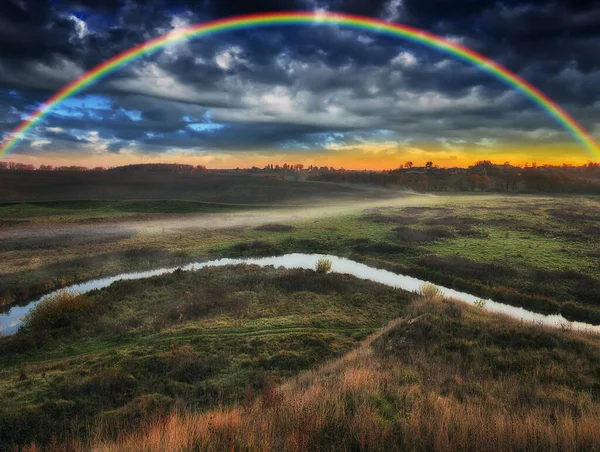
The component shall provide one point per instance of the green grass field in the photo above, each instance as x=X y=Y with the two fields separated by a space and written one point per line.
x=192 y=338
x=537 y=252
x=81 y=211
x=193 y=341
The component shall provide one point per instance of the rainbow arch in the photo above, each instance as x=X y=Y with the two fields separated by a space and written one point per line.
x=305 y=18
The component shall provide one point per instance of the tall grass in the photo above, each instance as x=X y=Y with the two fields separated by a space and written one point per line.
x=430 y=291
x=405 y=389
x=61 y=310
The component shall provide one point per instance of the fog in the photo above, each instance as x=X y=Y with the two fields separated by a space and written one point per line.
x=54 y=235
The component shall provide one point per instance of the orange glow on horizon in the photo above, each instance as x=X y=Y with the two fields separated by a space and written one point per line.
x=378 y=156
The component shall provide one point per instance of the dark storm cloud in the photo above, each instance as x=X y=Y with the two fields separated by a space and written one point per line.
x=269 y=88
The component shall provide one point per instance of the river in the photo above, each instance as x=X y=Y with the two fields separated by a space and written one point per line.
x=11 y=320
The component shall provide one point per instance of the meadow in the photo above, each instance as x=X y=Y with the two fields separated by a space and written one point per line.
x=250 y=358
x=187 y=340
x=533 y=251
x=443 y=377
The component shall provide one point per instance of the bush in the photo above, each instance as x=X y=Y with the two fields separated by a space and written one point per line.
x=576 y=312
x=430 y=291
x=323 y=266
x=61 y=310
x=187 y=365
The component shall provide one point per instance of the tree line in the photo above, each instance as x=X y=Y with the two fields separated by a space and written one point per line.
x=484 y=175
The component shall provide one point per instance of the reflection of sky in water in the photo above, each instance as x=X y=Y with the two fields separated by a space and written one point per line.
x=9 y=322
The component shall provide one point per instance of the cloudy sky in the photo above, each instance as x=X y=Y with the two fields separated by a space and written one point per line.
x=313 y=94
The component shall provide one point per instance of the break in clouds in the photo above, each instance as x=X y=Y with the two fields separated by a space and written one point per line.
x=295 y=89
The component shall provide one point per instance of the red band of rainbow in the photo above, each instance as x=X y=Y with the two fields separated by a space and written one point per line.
x=304 y=18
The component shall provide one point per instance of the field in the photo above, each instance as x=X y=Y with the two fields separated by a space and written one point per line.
x=537 y=252
x=445 y=377
x=192 y=339
x=194 y=356
x=219 y=188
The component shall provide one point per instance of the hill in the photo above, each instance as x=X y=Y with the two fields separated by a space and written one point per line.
x=444 y=377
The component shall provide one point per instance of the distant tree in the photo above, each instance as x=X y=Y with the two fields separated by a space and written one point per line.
x=72 y=168
x=509 y=178
x=3 y=165
x=423 y=183
x=473 y=181
x=15 y=166
x=484 y=183
x=429 y=165
x=45 y=168
x=408 y=164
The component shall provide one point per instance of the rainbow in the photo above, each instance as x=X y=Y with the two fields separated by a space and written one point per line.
x=306 y=18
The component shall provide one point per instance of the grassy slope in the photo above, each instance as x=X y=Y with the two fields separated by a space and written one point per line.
x=192 y=339
x=444 y=377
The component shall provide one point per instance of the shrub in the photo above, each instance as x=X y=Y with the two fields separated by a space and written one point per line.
x=61 y=310
x=480 y=303
x=187 y=365
x=580 y=313
x=323 y=266
x=430 y=291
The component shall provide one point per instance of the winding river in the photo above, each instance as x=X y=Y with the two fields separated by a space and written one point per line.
x=10 y=321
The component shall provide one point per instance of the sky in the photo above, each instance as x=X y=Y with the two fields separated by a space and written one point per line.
x=321 y=95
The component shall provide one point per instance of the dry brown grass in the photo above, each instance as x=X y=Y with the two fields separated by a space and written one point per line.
x=431 y=292
x=60 y=310
x=396 y=393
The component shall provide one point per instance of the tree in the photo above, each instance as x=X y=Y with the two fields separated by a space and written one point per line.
x=484 y=183
x=423 y=183
x=429 y=165
x=473 y=181
x=408 y=164
x=15 y=166
x=510 y=178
